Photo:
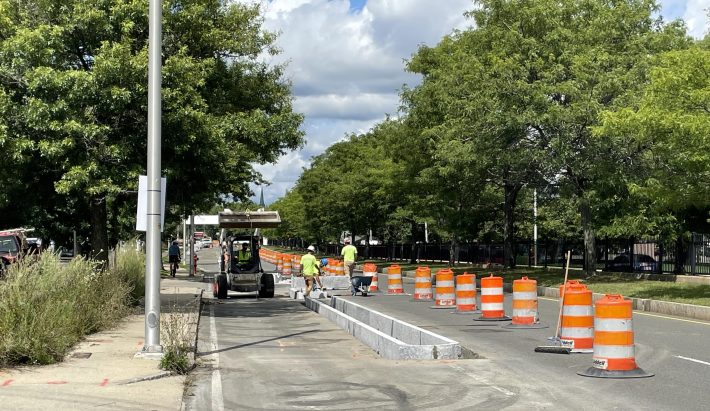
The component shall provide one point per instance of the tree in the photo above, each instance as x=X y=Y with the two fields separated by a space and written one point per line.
x=525 y=86
x=74 y=75
x=670 y=125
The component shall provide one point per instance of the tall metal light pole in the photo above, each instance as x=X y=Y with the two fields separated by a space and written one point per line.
x=152 y=264
x=535 y=226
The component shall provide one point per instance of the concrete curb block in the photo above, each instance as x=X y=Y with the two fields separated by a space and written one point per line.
x=390 y=338
x=151 y=377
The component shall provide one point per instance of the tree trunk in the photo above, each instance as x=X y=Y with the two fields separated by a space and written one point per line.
x=99 y=231
x=413 y=234
x=453 y=251
x=367 y=245
x=590 y=247
x=681 y=255
x=511 y=194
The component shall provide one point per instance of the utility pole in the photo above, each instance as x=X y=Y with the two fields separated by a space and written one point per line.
x=153 y=229
x=535 y=227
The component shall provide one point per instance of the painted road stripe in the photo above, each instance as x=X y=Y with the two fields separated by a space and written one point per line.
x=647 y=314
x=692 y=359
x=217 y=398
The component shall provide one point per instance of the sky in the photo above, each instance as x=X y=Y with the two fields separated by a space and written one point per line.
x=346 y=63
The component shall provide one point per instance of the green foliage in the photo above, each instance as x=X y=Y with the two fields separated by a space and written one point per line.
x=73 y=100
x=47 y=307
x=129 y=267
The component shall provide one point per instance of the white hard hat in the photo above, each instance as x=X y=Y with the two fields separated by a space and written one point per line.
x=311 y=248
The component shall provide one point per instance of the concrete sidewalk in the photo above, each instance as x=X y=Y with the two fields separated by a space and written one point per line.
x=111 y=377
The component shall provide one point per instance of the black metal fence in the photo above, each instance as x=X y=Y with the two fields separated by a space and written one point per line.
x=686 y=255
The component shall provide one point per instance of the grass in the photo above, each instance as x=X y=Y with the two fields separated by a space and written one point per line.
x=177 y=337
x=47 y=307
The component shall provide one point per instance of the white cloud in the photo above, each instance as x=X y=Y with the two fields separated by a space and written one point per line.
x=696 y=17
x=347 y=67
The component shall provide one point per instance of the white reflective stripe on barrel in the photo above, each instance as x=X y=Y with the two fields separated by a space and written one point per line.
x=613 y=324
x=491 y=291
x=421 y=280
x=492 y=306
x=524 y=295
x=524 y=312
x=370 y=273
x=444 y=284
x=577 y=310
x=577 y=332
x=395 y=276
x=614 y=351
x=465 y=301
x=465 y=287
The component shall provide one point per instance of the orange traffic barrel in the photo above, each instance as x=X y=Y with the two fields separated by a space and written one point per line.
x=614 y=355
x=296 y=259
x=422 y=284
x=525 y=313
x=577 y=327
x=394 y=280
x=279 y=263
x=287 y=265
x=339 y=267
x=466 y=293
x=370 y=270
x=445 y=295
x=492 y=299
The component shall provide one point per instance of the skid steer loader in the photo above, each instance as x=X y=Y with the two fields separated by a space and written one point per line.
x=246 y=275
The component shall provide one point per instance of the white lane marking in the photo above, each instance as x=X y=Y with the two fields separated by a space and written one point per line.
x=692 y=359
x=217 y=399
x=647 y=314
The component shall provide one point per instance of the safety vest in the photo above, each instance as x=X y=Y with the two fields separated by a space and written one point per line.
x=244 y=256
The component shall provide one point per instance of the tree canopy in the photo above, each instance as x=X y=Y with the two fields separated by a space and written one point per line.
x=73 y=94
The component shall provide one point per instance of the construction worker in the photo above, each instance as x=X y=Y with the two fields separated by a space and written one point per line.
x=349 y=254
x=309 y=269
x=244 y=255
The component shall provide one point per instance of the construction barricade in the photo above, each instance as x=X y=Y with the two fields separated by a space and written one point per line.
x=614 y=355
x=525 y=312
x=339 y=267
x=492 y=300
x=445 y=294
x=287 y=265
x=466 y=294
x=279 y=263
x=394 y=280
x=370 y=270
x=296 y=264
x=577 y=327
x=422 y=284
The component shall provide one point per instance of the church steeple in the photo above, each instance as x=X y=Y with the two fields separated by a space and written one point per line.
x=261 y=199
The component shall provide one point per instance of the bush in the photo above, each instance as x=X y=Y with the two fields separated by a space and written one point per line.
x=130 y=268
x=47 y=307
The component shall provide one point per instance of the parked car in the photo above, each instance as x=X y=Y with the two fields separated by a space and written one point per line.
x=206 y=242
x=13 y=246
x=642 y=262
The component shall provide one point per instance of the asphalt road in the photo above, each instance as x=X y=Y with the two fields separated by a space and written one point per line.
x=274 y=354
x=677 y=350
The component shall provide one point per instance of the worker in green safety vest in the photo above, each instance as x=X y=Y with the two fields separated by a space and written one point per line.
x=244 y=255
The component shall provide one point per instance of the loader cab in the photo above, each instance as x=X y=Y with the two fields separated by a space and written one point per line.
x=237 y=261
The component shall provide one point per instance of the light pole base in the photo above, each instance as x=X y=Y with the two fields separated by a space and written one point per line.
x=153 y=352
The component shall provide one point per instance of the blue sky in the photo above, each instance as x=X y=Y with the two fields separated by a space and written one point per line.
x=346 y=58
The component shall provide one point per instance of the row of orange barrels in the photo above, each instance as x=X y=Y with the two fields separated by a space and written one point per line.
x=603 y=328
x=289 y=264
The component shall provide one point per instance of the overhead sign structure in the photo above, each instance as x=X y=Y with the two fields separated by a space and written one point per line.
x=141 y=216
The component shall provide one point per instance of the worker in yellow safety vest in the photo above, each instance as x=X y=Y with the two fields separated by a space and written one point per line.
x=349 y=254
x=244 y=255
